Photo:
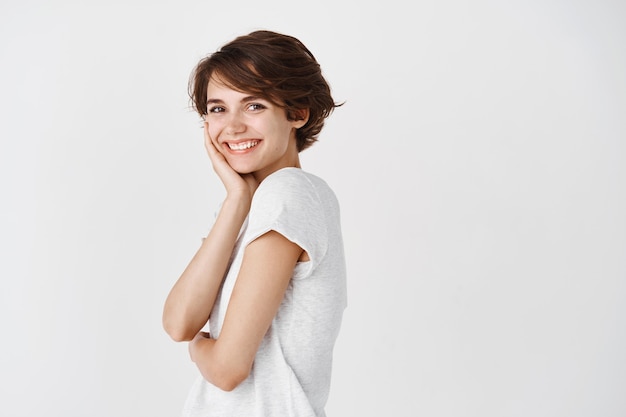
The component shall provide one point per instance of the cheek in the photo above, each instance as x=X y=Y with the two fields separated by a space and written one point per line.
x=280 y=129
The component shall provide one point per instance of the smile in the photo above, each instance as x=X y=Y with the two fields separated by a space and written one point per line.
x=243 y=145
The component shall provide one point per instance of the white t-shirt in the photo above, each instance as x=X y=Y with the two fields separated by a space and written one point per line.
x=291 y=373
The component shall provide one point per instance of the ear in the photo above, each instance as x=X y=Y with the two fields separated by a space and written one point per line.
x=300 y=117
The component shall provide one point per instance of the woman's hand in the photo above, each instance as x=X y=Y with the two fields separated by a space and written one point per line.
x=236 y=184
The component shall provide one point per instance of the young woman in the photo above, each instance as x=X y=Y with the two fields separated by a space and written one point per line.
x=270 y=276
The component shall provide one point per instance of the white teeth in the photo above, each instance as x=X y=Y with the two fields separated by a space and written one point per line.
x=243 y=145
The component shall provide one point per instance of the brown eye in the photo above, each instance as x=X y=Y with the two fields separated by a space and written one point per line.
x=216 y=109
x=256 y=107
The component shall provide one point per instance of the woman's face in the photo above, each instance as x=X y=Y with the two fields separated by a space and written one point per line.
x=253 y=134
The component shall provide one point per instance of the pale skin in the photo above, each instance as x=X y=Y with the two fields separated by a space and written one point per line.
x=247 y=138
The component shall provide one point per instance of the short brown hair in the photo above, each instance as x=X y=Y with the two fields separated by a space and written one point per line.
x=274 y=66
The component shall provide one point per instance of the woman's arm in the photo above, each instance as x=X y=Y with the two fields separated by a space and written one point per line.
x=191 y=300
x=265 y=273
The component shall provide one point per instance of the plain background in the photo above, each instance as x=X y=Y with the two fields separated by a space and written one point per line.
x=479 y=159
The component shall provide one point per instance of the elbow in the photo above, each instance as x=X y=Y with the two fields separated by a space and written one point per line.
x=179 y=336
x=235 y=380
x=176 y=332
x=228 y=380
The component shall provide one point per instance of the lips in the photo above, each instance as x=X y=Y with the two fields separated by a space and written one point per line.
x=242 y=146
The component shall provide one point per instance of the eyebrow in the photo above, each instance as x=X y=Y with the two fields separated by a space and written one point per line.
x=243 y=100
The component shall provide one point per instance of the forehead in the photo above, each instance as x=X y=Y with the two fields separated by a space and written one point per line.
x=217 y=83
x=218 y=88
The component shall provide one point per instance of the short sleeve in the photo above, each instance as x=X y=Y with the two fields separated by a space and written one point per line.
x=288 y=203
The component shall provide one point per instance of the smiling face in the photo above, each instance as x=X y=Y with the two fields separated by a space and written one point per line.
x=252 y=133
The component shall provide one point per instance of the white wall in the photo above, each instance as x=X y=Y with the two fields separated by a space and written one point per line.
x=480 y=163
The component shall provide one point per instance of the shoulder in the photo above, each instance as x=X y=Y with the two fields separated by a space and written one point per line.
x=291 y=177
x=295 y=194
x=297 y=204
x=292 y=184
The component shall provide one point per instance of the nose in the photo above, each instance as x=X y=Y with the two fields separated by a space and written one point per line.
x=235 y=124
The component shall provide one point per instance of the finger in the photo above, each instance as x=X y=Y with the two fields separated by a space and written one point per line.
x=208 y=141
x=207 y=137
